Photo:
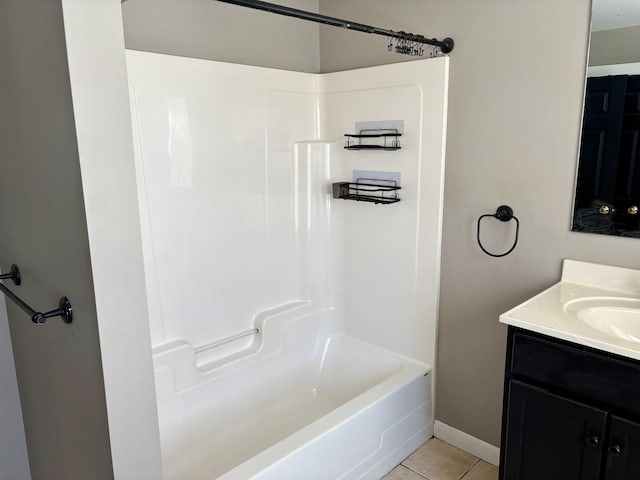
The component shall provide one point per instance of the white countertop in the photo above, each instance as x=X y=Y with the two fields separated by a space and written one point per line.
x=547 y=313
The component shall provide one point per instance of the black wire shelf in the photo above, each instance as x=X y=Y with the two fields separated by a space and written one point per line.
x=390 y=140
x=366 y=192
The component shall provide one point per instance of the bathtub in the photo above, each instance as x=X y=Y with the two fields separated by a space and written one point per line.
x=300 y=401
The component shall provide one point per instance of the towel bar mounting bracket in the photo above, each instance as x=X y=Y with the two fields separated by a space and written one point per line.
x=64 y=310
x=14 y=275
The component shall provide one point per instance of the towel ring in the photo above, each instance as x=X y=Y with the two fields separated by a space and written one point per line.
x=504 y=213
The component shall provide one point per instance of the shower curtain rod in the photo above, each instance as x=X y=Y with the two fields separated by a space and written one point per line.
x=446 y=44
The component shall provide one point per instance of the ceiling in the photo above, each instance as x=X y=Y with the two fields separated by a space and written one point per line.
x=609 y=14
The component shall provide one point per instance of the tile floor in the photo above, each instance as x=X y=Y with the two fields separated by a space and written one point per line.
x=437 y=460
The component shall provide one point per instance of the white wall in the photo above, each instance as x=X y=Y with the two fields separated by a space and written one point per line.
x=226 y=225
x=216 y=162
x=389 y=255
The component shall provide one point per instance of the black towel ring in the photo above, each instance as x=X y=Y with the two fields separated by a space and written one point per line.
x=504 y=213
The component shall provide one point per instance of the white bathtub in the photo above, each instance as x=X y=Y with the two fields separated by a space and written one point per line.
x=302 y=403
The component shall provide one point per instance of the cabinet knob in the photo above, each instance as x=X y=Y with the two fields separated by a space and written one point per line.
x=615 y=451
x=633 y=210
x=604 y=210
x=593 y=441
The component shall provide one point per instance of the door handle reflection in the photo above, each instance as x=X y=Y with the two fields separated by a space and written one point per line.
x=604 y=210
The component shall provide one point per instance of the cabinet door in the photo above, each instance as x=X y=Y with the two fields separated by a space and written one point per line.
x=550 y=437
x=623 y=450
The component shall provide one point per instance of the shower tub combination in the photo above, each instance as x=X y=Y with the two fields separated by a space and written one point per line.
x=293 y=334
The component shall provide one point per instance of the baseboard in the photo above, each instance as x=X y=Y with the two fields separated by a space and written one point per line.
x=479 y=448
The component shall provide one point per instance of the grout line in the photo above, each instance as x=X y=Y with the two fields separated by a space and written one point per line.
x=469 y=471
x=417 y=473
x=464 y=475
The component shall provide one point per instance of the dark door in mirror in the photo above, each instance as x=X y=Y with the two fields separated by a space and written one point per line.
x=629 y=162
x=608 y=184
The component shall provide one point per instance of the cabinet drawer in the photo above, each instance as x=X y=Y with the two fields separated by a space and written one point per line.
x=611 y=380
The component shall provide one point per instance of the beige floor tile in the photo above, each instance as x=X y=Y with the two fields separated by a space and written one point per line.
x=402 y=473
x=482 y=471
x=438 y=460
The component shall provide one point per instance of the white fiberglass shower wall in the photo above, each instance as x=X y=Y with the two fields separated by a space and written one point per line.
x=288 y=327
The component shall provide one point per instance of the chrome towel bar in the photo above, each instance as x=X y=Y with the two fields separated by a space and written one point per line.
x=64 y=310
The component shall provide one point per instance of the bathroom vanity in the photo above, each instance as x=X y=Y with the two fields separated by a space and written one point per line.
x=572 y=381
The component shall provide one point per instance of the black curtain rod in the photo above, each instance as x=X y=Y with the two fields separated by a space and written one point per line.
x=446 y=45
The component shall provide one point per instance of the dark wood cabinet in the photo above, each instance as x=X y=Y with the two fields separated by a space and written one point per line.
x=570 y=412
x=623 y=450
x=551 y=437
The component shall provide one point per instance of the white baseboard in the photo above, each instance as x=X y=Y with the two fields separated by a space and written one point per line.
x=476 y=447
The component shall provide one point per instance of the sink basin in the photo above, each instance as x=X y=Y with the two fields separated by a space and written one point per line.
x=617 y=317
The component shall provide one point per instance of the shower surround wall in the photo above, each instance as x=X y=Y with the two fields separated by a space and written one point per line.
x=287 y=326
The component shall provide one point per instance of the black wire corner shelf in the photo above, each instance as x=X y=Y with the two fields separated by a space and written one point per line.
x=390 y=139
x=366 y=192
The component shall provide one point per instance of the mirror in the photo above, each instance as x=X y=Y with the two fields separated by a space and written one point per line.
x=607 y=196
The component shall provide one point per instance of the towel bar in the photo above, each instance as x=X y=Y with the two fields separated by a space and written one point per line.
x=64 y=310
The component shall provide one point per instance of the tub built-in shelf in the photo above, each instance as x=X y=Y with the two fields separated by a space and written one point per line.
x=389 y=139
x=367 y=192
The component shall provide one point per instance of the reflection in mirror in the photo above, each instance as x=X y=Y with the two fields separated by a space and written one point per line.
x=607 y=196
